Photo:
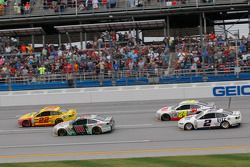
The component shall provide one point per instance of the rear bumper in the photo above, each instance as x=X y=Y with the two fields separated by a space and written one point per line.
x=158 y=116
x=19 y=122
x=181 y=125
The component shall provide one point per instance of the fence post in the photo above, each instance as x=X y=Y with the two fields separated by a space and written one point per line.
x=9 y=83
x=114 y=77
x=229 y=102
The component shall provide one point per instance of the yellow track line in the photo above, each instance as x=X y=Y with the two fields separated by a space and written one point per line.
x=122 y=152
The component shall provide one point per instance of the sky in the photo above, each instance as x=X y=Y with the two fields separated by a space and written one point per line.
x=243 y=28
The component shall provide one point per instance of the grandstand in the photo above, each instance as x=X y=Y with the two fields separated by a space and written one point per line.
x=112 y=50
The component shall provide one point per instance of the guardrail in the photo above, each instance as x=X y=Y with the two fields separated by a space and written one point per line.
x=119 y=94
x=121 y=78
x=44 y=9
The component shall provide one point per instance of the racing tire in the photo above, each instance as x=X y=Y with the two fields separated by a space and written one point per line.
x=188 y=126
x=26 y=123
x=165 y=117
x=225 y=125
x=61 y=132
x=96 y=131
x=57 y=121
x=111 y=129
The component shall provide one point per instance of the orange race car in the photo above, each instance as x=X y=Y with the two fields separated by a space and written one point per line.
x=47 y=116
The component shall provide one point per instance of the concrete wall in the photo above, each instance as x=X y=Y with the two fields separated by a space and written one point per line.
x=112 y=94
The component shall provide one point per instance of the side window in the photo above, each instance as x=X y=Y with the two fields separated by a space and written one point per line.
x=208 y=116
x=195 y=106
x=198 y=112
x=39 y=115
x=91 y=121
x=80 y=122
x=183 y=107
x=45 y=113
x=55 y=113
x=220 y=115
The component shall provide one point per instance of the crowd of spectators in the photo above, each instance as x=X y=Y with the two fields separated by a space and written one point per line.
x=123 y=52
x=3 y=5
x=20 y=7
x=82 y=5
x=60 y=5
x=216 y=52
x=106 y=54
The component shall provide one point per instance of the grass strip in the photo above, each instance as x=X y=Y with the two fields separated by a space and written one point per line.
x=225 y=160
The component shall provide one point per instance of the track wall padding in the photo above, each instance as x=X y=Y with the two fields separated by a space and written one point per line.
x=112 y=94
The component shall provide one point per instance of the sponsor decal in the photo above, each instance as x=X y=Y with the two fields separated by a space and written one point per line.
x=164 y=109
x=243 y=90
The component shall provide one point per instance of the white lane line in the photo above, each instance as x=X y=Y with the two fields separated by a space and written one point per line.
x=100 y=113
x=46 y=129
x=104 y=113
x=75 y=144
x=119 y=112
x=136 y=125
x=15 y=130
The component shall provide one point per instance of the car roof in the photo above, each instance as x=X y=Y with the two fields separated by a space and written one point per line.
x=51 y=108
x=213 y=110
x=87 y=116
x=189 y=102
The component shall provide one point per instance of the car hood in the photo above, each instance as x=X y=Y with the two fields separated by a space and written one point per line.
x=236 y=113
x=29 y=115
x=210 y=105
x=187 y=118
x=63 y=124
x=165 y=109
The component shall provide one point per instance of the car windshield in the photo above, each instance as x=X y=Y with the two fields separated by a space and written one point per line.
x=175 y=106
x=199 y=115
x=203 y=103
x=101 y=118
x=228 y=112
x=64 y=110
x=71 y=122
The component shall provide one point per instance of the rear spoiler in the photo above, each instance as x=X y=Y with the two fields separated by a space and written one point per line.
x=236 y=113
x=212 y=104
x=109 y=119
x=72 y=112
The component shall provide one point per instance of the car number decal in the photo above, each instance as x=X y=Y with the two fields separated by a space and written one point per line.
x=79 y=129
x=182 y=114
x=219 y=120
x=207 y=123
x=44 y=120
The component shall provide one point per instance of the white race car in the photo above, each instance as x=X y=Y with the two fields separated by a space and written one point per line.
x=211 y=118
x=86 y=124
x=184 y=108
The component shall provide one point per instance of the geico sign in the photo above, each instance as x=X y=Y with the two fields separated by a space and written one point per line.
x=243 y=90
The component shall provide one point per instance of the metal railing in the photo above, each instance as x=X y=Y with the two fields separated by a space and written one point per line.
x=38 y=8
x=119 y=74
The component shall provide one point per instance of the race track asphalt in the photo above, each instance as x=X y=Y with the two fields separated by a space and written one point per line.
x=137 y=134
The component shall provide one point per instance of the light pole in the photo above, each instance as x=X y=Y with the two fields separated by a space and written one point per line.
x=76 y=7
x=237 y=68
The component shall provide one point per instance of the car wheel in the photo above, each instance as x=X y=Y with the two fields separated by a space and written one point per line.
x=61 y=132
x=96 y=131
x=26 y=123
x=57 y=121
x=111 y=129
x=188 y=126
x=225 y=125
x=165 y=117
